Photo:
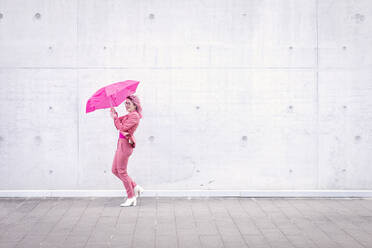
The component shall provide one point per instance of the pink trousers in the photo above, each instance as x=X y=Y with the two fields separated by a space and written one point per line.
x=119 y=165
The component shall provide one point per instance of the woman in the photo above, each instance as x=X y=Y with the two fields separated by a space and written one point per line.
x=127 y=124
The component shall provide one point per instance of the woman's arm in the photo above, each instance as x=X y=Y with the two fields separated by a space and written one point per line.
x=132 y=120
x=114 y=114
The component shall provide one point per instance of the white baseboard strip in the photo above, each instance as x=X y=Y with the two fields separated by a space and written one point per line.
x=189 y=193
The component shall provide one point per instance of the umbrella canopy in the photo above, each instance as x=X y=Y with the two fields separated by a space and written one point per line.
x=111 y=95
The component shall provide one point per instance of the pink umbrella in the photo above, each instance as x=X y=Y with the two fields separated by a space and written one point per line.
x=111 y=96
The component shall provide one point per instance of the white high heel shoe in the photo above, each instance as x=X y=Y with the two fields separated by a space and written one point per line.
x=129 y=202
x=138 y=190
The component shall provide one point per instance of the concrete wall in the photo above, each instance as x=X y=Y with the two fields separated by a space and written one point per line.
x=238 y=96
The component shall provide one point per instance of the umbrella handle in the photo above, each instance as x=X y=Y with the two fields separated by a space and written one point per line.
x=112 y=108
x=111 y=101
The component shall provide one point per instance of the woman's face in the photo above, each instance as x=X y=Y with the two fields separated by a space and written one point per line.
x=129 y=105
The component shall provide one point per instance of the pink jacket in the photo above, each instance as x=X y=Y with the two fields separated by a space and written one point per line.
x=128 y=123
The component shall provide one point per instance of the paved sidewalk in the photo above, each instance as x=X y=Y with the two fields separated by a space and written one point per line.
x=186 y=222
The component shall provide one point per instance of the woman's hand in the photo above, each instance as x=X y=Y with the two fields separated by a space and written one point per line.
x=113 y=113
x=124 y=133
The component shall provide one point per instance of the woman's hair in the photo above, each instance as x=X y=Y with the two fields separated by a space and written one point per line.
x=137 y=103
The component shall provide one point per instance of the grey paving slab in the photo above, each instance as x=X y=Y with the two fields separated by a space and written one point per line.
x=189 y=241
x=301 y=240
x=233 y=240
x=166 y=241
x=212 y=241
x=186 y=222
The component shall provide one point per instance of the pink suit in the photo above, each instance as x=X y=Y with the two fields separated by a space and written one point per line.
x=127 y=123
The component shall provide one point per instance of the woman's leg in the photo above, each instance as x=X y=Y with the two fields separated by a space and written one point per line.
x=133 y=184
x=114 y=168
x=116 y=173
x=123 y=153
